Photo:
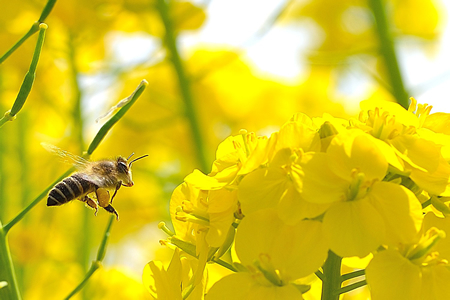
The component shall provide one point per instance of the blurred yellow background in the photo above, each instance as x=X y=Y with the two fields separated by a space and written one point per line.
x=248 y=64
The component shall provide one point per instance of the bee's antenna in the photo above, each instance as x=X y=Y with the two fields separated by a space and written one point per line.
x=129 y=165
x=130 y=156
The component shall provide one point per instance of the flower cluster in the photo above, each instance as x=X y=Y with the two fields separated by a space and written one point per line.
x=272 y=209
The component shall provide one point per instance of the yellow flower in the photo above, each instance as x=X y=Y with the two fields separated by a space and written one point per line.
x=419 y=149
x=413 y=271
x=275 y=254
x=175 y=281
x=193 y=211
x=287 y=252
x=278 y=186
x=237 y=155
x=278 y=183
x=246 y=286
x=365 y=212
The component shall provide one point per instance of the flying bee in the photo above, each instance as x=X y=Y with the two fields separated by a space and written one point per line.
x=95 y=178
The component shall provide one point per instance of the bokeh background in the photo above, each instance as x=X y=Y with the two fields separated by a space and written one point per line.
x=247 y=64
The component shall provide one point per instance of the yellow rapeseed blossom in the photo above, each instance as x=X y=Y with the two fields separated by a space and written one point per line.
x=280 y=210
x=413 y=271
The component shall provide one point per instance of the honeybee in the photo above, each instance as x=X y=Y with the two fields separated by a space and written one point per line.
x=93 y=177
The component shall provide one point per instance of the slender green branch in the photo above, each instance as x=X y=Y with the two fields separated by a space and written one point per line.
x=110 y=123
x=28 y=81
x=98 y=261
x=184 y=83
x=22 y=214
x=426 y=203
x=352 y=287
x=319 y=274
x=224 y=264
x=34 y=28
x=47 y=10
x=352 y=275
x=331 y=277
x=7 y=273
x=388 y=52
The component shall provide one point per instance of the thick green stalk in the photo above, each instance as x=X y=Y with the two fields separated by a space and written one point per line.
x=387 y=50
x=183 y=83
x=98 y=261
x=7 y=273
x=331 y=277
x=28 y=81
x=34 y=28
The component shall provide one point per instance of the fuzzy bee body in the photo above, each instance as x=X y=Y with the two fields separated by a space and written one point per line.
x=70 y=188
x=94 y=177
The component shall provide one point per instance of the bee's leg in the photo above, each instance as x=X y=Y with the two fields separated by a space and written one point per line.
x=112 y=210
x=102 y=196
x=103 y=201
x=117 y=188
x=90 y=202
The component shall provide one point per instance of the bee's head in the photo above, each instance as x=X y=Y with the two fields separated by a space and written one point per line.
x=124 y=169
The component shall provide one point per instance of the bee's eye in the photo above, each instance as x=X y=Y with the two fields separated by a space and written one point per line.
x=123 y=167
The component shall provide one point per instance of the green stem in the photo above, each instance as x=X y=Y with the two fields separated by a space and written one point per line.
x=7 y=273
x=98 y=261
x=28 y=81
x=183 y=82
x=352 y=275
x=388 y=52
x=110 y=123
x=352 y=287
x=224 y=264
x=426 y=203
x=22 y=214
x=319 y=274
x=331 y=277
x=34 y=28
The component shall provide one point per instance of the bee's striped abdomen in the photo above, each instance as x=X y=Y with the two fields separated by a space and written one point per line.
x=68 y=189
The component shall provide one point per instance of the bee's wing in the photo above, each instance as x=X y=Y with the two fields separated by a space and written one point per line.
x=66 y=156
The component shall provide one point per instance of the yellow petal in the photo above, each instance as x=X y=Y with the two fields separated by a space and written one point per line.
x=262 y=189
x=431 y=220
x=419 y=153
x=438 y=122
x=354 y=149
x=295 y=251
x=212 y=182
x=221 y=208
x=354 y=228
x=392 y=277
x=320 y=184
x=299 y=134
x=435 y=283
x=243 y=286
x=400 y=210
x=157 y=280
x=401 y=115
x=436 y=182
x=292 y=208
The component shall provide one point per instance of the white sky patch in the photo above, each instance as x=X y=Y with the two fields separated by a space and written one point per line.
x=277 y=54
x=132 y=48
